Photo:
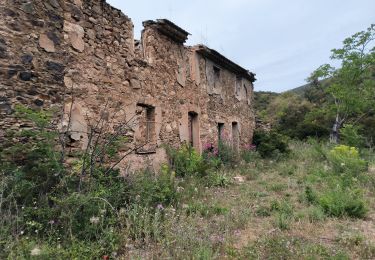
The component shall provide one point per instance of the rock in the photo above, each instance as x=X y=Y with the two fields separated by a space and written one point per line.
x=75 y=12
x=78 y=3
x=55 y=66
x=9 y=12
x=46 y=43
x=38 y=23
x=25 y=75
x=27 y=58
x=77 y=42
x=93 y=20
x=168 y=128
x=135 y=84
x=71 y=27
x=5 y=106
x=11 y=73
x=28 y=8
x=54 y=3
x=68 y=82
x=3 y=52
x=239 y=179
x=76 y=34
x=53 y=36
x=32 y=91
x=91 y=34
x=38 y=102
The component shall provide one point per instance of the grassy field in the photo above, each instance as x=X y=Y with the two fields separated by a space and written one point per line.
x=291 y=208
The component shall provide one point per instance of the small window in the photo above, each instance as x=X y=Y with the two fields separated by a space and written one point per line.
x=220 y=131
x=235 y=136
x=193 y=125
x=238 y=86
x=146 y=136
x=217 y=72
x=245 y=88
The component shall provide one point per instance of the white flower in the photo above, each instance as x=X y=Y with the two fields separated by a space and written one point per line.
x=342 y=164
x=22 y=232
x=94 y=220
x=35 y=251
x=160 y=207
x=180 y=189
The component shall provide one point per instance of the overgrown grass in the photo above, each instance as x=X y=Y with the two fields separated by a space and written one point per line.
x=302 y=206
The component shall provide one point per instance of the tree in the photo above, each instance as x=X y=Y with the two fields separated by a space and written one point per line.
x=352 y=86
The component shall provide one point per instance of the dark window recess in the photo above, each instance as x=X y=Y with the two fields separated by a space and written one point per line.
x=193 y=125
x=235 y=136
x=238 y=86
x=146 y=136
x=220 y=131
x=217 y=72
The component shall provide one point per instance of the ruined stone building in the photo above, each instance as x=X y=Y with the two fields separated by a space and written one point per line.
x=55 y=52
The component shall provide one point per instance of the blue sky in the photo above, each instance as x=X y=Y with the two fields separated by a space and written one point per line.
x=281 y=41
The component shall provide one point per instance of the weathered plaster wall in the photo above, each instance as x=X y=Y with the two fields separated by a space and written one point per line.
x=81 y=55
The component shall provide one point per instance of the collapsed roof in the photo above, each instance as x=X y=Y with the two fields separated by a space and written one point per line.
x=219 y=59
x=180 y=36
x=169 y=29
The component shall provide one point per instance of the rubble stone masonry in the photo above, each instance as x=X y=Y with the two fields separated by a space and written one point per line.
x=80 y=57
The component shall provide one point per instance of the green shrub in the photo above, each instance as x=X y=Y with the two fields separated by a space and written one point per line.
x=249 y=156
x=228 y=156
x=186 y=161
x=310 y=195
x=270 y=144
x=217 y=179
x=283 y=220
x=149 y=189
x=340 y=202
x=263 y=212
x=345 y=159
x=350 y=136
x=143 y=224
x=205 y=210
x=315 y=214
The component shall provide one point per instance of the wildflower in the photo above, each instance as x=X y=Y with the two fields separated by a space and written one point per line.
x=159 y=207
x=35 y=251
x=22 y=232
x=51 y=222
x=180 y=189
x=94 y=220
x=105 y=257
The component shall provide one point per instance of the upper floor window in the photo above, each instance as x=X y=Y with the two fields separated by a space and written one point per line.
x=238 y=84
x=217 y=76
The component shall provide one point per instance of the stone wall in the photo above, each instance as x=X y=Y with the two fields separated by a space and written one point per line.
x=80 y=56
